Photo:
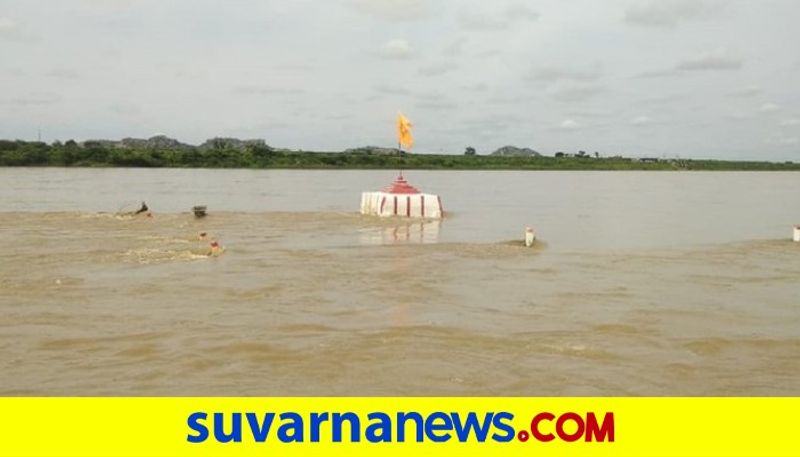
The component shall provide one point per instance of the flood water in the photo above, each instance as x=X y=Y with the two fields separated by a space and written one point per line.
x=642 y=283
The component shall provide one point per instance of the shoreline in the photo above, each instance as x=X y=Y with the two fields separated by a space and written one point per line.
x=96 y=155
x=441 y=163
x=723 y=168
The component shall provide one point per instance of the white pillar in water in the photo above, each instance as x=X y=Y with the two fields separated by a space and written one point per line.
x=530 y=236
x=796 y=236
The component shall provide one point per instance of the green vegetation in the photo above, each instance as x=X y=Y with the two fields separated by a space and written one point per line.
x=223 y=155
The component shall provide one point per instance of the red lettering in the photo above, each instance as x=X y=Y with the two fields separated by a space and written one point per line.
x=563 y=434
x=535 y=427
x=600 y=433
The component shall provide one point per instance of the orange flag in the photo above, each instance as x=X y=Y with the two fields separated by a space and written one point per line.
x=404 y=137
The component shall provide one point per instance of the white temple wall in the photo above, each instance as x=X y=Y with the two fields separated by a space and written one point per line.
x=404 y=205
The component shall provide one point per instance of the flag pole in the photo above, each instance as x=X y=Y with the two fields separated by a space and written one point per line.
x=400 y=148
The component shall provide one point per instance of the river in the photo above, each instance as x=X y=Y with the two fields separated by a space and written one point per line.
x=641 y=283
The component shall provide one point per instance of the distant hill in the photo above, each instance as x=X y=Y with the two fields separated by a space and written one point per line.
x=231 y=143
x=163 y=142
x=154 y=142
x=513 y=151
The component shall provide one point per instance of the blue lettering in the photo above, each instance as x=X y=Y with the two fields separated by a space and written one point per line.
x=384 y=425
x=464 y=431
x=402 y=418
x=260 y=432
x=498 y=423
x=236 y=428
x=295 y=425
x=355 y=427
x=316 y=423
x=194 y=424
x=431 y=427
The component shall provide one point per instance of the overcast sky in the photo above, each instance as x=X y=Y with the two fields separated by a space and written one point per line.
x=687 y=78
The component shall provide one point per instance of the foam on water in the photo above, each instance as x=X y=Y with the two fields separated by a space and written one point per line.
x=326 y=303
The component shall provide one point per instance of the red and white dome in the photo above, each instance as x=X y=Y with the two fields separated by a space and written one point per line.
x=401 y=199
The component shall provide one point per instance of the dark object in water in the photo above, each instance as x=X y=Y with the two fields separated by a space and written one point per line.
x=142 y=209
x=199 y=211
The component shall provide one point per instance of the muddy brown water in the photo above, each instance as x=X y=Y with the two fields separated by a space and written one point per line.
x=318 y=300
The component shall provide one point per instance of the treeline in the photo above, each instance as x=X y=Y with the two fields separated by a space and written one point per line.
x=97 y=154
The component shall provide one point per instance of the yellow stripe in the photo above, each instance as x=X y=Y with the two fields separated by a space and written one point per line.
x=158 y=426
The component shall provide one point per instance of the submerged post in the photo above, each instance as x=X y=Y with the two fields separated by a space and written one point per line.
x=530 y=236
x=216 y=249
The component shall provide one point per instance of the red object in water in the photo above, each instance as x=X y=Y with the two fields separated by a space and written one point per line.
x=400 y=186
x=214 y=244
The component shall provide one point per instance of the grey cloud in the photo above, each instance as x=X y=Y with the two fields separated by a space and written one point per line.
x=295 y=67
x=520 y=11
x=479 y=134
x=430 y=96
x=668 y=13
x=436 y=105
x=662 y=99
x=477 y=87
x=590 y=114
x=552 y=74
x=397 y=49
x=63 y=73
x=14 y=71
x=438 y=69
x=484 y=20
x=7 y=25
x=394 y=10
x=488 y=126
x=657 y=73
x=125 y=108
x=719 y=60
x=476 y=21
x=115 y=6
x=713 y=61
x=750 y=91
x=783 y=141
x=501 y=121
x=488 y=53
x=455 y=48
x=337 y=117
x=503 y=100
x=10 y=31
x=767 y=108
x=251 y=128
x=738 y=116
x=34 y=99
x=392 y=90
x=252 y=89
x=569 y=124
x=575 y=93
